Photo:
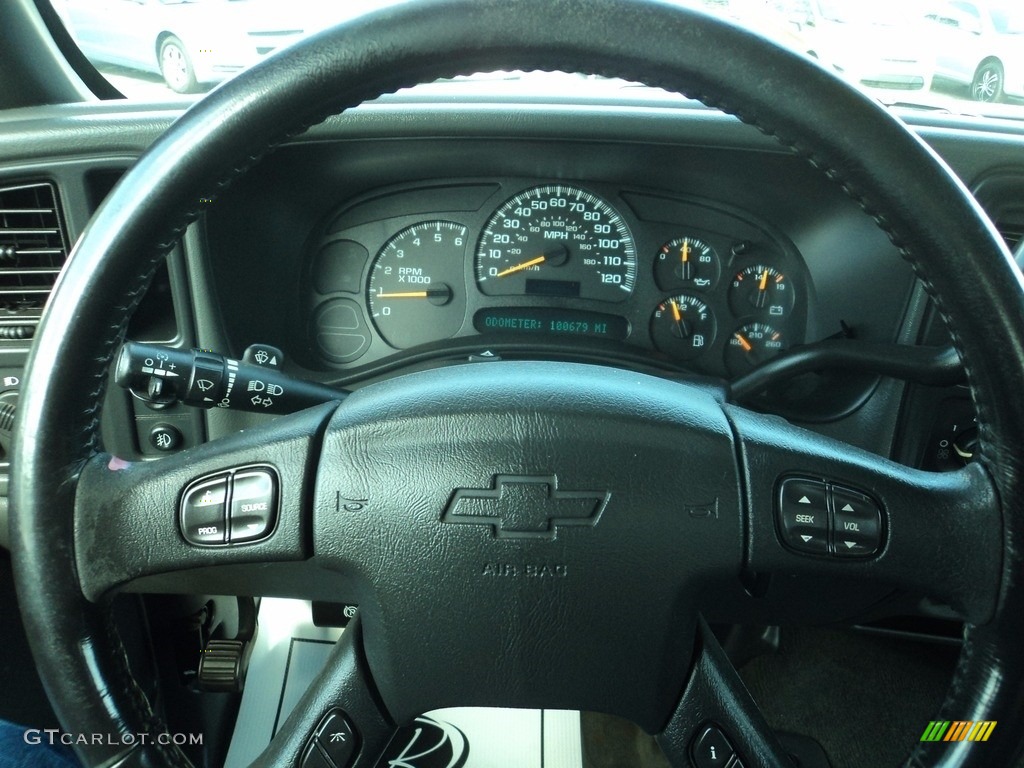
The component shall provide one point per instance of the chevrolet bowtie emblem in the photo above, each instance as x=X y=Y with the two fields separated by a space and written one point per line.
x=525 y=507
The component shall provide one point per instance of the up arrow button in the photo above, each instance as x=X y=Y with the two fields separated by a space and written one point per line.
x=802 y=510
x=856 y=523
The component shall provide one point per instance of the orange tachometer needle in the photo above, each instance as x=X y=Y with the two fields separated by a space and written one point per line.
x=747 y=346
x=406 y=295
x=675 y=310
x=520 y=267
x=439 y=295
x=764 y=281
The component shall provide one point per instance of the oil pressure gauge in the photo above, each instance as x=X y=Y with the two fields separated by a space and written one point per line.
x=761 y=290
x=687 y=262
x=683 y=326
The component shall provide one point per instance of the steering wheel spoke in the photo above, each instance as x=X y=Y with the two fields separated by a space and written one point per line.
x=228 y=517
x=716 y=718
x=822 y=508
x=340 y=716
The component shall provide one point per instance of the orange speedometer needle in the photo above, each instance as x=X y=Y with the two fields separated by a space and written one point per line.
x=521 y=267
x=747 y=346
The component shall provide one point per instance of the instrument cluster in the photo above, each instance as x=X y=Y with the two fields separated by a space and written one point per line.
x=585 y=269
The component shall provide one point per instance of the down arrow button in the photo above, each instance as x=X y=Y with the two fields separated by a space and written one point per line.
x=803 y=515
x=857 y=523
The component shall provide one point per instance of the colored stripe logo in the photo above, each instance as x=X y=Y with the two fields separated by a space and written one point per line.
x=958 y=730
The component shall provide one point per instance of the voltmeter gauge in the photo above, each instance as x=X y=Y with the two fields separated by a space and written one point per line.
x=761 y=290
x=415 y=293
x=683 y=326
x=752 y=345
x=687 y=262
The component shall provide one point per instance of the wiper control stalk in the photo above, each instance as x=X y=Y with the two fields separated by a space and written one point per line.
x=205 y=379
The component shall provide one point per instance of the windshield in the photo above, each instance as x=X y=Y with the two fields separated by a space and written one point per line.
x=958 y=56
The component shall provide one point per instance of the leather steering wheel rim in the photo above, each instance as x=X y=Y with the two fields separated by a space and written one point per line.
x=892 y=174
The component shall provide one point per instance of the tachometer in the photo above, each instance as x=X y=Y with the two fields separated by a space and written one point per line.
x=414 y=294
x=556 y=240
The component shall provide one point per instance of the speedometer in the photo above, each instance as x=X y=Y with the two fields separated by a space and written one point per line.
x=556 y=240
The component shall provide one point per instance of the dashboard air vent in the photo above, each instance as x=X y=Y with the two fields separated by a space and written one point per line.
x=33 y=247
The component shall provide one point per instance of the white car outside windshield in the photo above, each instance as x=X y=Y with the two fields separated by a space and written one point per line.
x=871 y=43
x=193 y=44
x=958 y=56
x=982 y=47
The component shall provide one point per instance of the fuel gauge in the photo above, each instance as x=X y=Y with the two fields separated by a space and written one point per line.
x=752 y=345
x=683 y=326
x=687 y=262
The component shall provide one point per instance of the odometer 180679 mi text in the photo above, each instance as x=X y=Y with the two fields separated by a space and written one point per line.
x=556 y=240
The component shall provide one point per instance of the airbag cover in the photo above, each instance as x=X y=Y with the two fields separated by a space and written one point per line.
x=531 y=533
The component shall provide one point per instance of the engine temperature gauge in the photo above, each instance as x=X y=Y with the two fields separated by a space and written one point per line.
x=683 y=326
x=751 y=345
x=761 y=290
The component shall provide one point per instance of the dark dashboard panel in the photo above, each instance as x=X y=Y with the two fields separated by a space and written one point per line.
x=248 y=261
x=741 y=292
x=332 y=206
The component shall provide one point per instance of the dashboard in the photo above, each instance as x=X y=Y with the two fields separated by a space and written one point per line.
x=363 y=255
x=687 y=282
x=664 y=238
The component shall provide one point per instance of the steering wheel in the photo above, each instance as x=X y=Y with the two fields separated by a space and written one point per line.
x=420 y=493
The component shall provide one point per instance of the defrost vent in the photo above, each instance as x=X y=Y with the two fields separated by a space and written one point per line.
x=33 y=248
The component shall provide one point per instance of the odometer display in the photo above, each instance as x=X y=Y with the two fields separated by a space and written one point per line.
x=556 y=240
x=551 y=322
